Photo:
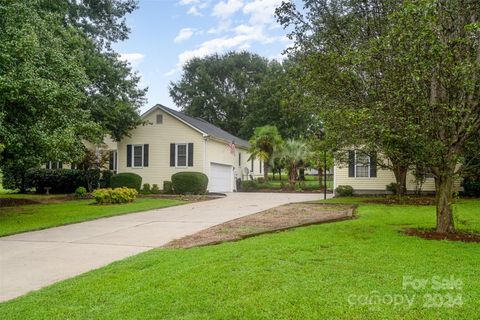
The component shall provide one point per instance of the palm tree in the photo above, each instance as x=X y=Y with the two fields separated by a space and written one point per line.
x=262 y=145
x=292 y=155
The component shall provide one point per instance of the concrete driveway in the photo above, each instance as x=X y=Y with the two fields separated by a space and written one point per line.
x=32 y=260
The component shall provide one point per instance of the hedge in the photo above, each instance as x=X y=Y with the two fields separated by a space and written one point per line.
x=62 y=180
x=126 y=179
x=189 y=183
x=471 y=186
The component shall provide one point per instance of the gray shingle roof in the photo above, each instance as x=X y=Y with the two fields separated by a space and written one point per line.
x=206 y=127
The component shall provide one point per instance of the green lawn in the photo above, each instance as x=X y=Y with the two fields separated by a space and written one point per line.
x=306 y=273
x=310 y=183
x=41 y=216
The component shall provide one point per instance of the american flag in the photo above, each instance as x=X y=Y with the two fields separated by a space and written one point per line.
x=232 y=147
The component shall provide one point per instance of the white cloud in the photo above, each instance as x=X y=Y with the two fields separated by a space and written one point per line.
x=133 y=58
x=194 y=11
x=224 y=9
x=187 y=2
x=184 y=34
x=261 y=11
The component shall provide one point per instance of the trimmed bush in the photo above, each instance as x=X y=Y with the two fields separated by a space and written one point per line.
x=114 y=196
x=126 y=179
x=392 y=187
x=471 y=186
x=189 y=183
x=80 y=193
x=344 y=191
x=249 y=185
x=261 y=180
x=105 y=180
x=146 y=188
x=155 y=189
x=167 y=187
x=62 y=180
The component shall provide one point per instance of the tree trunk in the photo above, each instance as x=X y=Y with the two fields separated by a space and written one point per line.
x=444 y=197
x=320 y=176
x=400 y=173
x=265 y=170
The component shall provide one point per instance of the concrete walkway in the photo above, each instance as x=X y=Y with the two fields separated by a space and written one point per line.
x=32 y=260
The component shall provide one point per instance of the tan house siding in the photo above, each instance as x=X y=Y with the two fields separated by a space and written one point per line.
x=159 y=137
x=384 y=177
x=377 y=185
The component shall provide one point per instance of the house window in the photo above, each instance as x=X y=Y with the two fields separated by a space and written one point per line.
x=159 y=118
x=362 y=165
x=54 y=165
x=137 y=156
x=181 y=152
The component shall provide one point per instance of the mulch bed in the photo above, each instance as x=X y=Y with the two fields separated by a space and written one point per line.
x=272 y=220
x=416 y=201
x=13 y=202
x=433 y=235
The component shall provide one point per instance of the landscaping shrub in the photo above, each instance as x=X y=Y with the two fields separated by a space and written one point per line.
x=127 y=179
x=344 y=191
x=105 y=180
x=261 y=180
x=392 y=187
x=146 y=188
x=81 y=193
x=155 y=189
x=62 y=180
x=114 y=196
x=189 y=183
x=471 y=186
x=167 y=187
x=249 y=185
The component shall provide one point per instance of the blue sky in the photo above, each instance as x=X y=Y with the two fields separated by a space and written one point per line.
x=167 y=33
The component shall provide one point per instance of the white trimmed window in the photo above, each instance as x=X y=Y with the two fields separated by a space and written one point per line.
x=362 y=165
x=137 y=156
x=181 y=158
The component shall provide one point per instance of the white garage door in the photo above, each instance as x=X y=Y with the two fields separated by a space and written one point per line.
x=220 y=178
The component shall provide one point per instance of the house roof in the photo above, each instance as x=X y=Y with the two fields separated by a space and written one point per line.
x=203 y=126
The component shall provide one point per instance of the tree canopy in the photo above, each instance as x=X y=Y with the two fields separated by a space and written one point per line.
x=239 y=91
x=60 y=83
x=396 y=76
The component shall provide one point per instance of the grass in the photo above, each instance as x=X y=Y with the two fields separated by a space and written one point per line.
x=310 y=183
x=305 y=273
x=40 y=216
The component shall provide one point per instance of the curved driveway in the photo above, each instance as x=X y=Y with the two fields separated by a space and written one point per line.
x=32 y=260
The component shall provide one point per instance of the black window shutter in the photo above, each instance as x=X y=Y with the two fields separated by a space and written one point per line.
x=145 y=155
x=351 y=163
x=190 y=154
x=172 y=154
x=239 y=159
x=110 y=161
x=373 y=165
x=129 y=155
x=251 y=165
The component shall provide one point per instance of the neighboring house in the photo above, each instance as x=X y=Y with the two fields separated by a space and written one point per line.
x=363 y=174
x=174 y=142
